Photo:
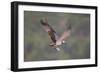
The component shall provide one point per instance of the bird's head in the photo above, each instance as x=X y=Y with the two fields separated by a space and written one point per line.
x=63 y=42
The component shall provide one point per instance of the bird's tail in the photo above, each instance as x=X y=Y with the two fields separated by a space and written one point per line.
x=58 y=49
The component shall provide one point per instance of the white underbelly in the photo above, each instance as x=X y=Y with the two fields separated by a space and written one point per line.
x=58 y=43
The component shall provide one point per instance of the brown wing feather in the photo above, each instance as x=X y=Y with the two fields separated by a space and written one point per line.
x=49 y=29
x=52 y=36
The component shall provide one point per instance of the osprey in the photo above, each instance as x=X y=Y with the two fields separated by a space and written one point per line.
x=56 y=40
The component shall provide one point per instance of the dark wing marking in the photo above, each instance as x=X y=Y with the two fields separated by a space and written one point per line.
x=52 y=36
x=49 y=29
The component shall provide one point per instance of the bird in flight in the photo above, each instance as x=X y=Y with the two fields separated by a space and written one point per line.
x=56 y=40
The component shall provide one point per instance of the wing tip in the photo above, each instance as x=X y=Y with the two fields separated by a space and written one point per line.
x=43 y=21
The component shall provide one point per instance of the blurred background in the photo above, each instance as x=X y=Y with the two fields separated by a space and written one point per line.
x=36 y=40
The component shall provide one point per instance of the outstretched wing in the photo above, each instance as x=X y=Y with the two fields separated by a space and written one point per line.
x=49 y=29
x=66 y=34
